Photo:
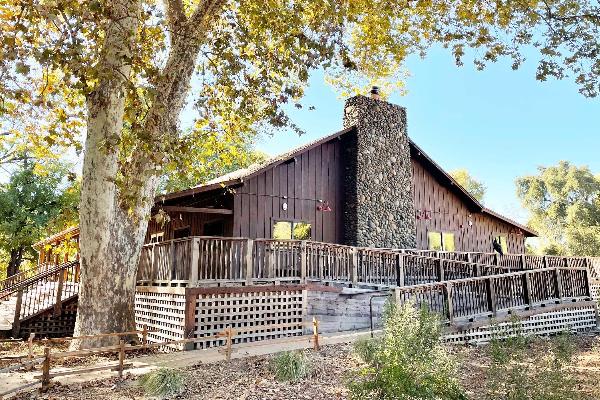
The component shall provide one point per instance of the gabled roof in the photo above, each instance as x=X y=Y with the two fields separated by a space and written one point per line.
x=238 y=177
x=69 y=233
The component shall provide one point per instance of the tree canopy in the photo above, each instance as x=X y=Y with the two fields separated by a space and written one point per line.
x=472 y=185
x=36 y=201
x=564 y=203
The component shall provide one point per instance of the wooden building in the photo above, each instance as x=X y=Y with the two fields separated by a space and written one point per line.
x=303 y=194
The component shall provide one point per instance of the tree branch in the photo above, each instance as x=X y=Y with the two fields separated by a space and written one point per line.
x=175 y=14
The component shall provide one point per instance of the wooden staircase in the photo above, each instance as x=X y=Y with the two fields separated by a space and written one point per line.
x=44 y=303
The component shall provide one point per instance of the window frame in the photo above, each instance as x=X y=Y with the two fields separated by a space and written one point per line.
x=293 y=222
x=441 y=235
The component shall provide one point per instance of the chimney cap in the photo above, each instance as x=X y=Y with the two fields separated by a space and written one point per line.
x=375 y=92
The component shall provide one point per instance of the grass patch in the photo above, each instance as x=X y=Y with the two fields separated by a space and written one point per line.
x=163 y=382
x=290 y=366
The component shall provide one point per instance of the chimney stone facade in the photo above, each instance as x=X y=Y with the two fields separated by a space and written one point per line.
x=380 y=209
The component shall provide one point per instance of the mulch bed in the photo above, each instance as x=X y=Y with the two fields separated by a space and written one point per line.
x=251 y=379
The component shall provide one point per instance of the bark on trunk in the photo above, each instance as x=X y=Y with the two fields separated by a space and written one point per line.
x=16 y=258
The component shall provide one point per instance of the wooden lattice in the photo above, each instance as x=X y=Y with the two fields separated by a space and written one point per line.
x=162 y=310
x=51 y=324
x=576 y=319
x=258 y=314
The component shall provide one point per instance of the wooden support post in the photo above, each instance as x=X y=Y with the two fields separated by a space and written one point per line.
x=145 y=335
x=303 y=262
x=496 y=259
x=559 y=283
x=400 y=279
x=121 y=357
x=441 y=269
x=523 y=261
x=249 y=261
x=172 y=264
x=190 y=318
x=449 y=302
x=315 y=323
x=566 y=261
x=354 y=266
x=16 y=328
x=59 y=290
x=527 y=289
x=469 y=258
x=545 y=262
x=194 y=262
x=46 y=369
x=491 y=295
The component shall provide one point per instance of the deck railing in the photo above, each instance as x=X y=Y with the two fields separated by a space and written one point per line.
x=202 y=259
x=488 y=295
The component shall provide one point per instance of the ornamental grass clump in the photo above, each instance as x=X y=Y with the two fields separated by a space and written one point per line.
x=290 y=366
x=408 y=361
x=163 y=382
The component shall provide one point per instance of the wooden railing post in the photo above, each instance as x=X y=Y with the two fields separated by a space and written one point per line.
x=490 y=290
x=545 y=262
x=271 y=260
x=400 y=270
x=441 y=269
x=523 y=262
x=153 y=265
x=559 y=283
x=469 y=258
x=59 y=290
x=303 y=262
x=195 y=261
x=449 y=302
x=16 y=328
x=173 y=261
x=354 y=266
x=249 y=262
x=527 y=289
x=496 y=259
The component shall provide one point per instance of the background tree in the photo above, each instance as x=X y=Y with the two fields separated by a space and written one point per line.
x=127 y=67
x=564 y=203
x=36 y=200
x=208 y=155
x=472 y=185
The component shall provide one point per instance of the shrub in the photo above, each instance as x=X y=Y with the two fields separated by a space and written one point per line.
x=290 y=366
x=408 y=362
x=528 y=368
x=366 y=348
x=163 y=382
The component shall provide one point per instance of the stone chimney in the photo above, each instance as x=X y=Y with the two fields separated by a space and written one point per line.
x=380 y=209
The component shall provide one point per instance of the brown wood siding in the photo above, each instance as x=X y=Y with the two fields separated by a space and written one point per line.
x=314 y=175
x=440 y=210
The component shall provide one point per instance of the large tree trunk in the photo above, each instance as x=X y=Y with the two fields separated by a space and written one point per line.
x=110 y=239
x=16 y=258
x=113 y=230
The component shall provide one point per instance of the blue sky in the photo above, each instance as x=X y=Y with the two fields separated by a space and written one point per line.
x=498 y=123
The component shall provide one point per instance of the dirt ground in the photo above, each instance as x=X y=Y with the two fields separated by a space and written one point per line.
x=251 y=378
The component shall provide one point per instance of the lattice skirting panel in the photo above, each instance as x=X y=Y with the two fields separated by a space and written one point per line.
x=49 y=325
x=595 y=289
x=257 y=313
x=576 y=319
x=162 y=310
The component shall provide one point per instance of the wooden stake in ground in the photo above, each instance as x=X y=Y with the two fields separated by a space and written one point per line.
x=46 y=369
x=30 y=346
x=121 y=357
x=315 y=334
x=145 y=336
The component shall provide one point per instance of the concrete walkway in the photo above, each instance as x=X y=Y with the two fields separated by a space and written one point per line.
x=180 y=359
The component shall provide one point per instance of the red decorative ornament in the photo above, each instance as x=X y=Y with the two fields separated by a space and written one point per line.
x=324 y=207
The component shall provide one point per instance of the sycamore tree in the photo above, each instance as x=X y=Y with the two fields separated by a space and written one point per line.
x=564 y=203
x=125 y=69
x=471 y=185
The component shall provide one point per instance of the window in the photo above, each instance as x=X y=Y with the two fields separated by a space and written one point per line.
x=501 y=239
x=291 y=230
x=441 y=241
x=215 y=228
x=182 y=233
x=157 y=237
